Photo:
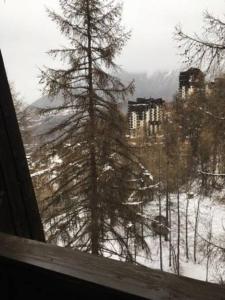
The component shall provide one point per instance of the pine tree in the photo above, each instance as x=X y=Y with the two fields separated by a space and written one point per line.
x=97 y=179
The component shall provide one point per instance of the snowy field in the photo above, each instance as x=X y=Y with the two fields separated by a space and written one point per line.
x=210 y=237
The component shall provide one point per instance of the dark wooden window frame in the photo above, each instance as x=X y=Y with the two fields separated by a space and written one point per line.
x=18 y=206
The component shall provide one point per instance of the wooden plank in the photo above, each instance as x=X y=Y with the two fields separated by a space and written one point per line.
x=18 y=205
x=53 y=270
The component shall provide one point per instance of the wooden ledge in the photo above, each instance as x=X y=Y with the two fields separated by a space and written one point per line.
x=51 y=270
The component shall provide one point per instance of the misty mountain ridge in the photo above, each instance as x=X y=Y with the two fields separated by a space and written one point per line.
x=47 y=102
x=160 y=84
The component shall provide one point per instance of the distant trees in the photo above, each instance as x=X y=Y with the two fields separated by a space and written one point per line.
x=194 y=136
x=23 y=116
x=194 y=140
x=208 y=52
x=97 y=181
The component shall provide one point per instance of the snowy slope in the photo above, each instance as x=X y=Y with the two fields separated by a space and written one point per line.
x=211 y=222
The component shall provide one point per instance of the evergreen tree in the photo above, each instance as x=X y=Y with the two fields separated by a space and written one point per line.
x=96 y=178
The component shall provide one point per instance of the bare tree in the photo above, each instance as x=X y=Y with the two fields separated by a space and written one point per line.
x=196 y=229
x=160 y=214
x=209 y=249
x=206 y=50
x=178 y=222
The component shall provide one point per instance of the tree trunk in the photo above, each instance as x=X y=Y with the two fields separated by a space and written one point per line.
x=186 y=229
x=167 y=201
x=196 y=230
x=178 y=223
x=170 y=238
x=178 y=232
x=160 y=214
x=95 y=233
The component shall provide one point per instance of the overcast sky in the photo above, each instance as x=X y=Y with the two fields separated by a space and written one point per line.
x=26 y=33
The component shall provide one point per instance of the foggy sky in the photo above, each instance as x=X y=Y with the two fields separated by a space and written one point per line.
x=26 y=34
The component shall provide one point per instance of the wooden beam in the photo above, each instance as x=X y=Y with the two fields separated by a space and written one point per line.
x=44 y=271
x=18 y=207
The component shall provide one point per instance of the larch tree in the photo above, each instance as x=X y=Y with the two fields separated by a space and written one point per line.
x=96 y=178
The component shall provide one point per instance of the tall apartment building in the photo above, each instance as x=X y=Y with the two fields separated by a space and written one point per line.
x=145 y=115
x=190 y=81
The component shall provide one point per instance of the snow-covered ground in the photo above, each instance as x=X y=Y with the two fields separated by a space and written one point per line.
x=211 y=227
x=210 y=237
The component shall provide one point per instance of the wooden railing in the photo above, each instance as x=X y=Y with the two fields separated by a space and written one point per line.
x=35 y=270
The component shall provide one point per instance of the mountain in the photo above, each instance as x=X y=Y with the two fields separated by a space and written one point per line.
x=157 y=85
x=47 y=102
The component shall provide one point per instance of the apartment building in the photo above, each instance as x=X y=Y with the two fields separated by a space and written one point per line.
x=145 y=116
x=190 y=81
